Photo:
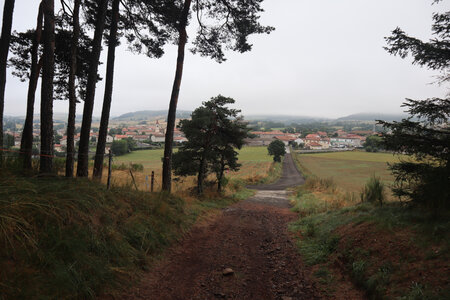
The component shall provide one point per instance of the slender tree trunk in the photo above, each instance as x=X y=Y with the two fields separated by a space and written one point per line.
x=5 y=39
x=220 y=177
x=26 y=144
x=72 y=91
x=171 y=118
x=48 y=70
x=83 y=150
x=103 y=131
x=201 y=176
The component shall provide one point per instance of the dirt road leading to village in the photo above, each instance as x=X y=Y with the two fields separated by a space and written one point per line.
x=290 y=177
x=243 y=253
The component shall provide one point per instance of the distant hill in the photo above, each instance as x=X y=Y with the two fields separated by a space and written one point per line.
x=150 y=115
x=373 y=117
x=57 y=118
x=285 y=119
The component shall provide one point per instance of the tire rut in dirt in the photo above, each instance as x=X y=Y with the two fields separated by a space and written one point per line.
x=249 y=238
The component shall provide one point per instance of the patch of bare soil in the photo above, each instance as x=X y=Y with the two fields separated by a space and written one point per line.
x=250 y=242
x=408 y=263
x=245 y=252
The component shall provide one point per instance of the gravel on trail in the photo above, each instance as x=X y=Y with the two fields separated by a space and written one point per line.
x=244 y=252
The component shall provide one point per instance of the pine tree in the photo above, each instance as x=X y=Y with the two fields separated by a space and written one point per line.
x=8 y=11
x=70 y=146
x=223 y=25
x=48 y=71
x=83 y=150
x=213 y=134
x=425 y=135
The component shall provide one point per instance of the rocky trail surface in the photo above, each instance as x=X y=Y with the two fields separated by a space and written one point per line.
x=245 y=252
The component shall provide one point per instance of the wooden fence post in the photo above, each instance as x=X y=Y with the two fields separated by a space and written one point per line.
x=108 y=185
x=153 y=181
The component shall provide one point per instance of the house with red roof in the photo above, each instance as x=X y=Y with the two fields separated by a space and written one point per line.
x=285 y=139
x=119 y=137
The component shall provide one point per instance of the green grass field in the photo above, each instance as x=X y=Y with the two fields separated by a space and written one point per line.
x=256 y=166
x=151 y=159
x=350 y=170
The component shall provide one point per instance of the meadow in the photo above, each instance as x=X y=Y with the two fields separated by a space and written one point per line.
x=256 y=167
x=349 y=170
x=379 y=245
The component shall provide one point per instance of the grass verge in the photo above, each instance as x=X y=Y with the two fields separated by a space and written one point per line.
x=393 y=251
x=390 y=252
x=67 y=239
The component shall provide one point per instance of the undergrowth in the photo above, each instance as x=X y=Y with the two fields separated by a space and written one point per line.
x=394 y=251
x=320 y=195
x=323 y=244
x=272 y=175
x=71 y=238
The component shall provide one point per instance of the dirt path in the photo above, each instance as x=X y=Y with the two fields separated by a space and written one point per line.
x=290 y=177
x=251 y=238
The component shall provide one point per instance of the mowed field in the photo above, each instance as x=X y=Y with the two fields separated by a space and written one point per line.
x=350 y=170
x=255 y=164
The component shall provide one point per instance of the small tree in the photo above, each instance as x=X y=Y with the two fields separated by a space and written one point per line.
x=213 y=133
x=277 y=149
x=373 y=143
x=119 y=147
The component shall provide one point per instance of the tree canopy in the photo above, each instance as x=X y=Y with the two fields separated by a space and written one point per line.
x=425 y=135
x=213 y=134
x=277 y=149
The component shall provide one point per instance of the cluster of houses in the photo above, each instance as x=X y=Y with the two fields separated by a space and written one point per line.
x=155 y=133
x=315 y=141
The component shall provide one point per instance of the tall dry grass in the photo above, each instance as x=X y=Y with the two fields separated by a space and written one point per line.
x=319 y=195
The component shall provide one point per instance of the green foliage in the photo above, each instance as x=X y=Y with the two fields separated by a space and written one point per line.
x=373 y=191
x=8 y=141
x=133 y=167
x=73 y=239
x=424 y=180
x=321 y=246
x=119 y=147
x=373 y=143
x=213 y=133
x=277 y=149
x=59 y=164
x=427 y=137
x=21 y=44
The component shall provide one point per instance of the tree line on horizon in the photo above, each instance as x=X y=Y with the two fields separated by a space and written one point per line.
x=64 y=48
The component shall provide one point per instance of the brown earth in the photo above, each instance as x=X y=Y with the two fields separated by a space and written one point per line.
x=250 y=238
x=409 y=263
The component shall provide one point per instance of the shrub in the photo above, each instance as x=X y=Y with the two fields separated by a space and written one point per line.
x=137 y=167
x=132 y=167
x=373 y=191
x=277 y=149
x=59 y=164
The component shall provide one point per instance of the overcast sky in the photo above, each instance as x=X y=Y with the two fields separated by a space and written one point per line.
x=324 y=59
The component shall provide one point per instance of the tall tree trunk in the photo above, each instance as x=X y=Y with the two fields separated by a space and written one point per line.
x=83 y=150
x=103 y=131
x=26 y=144
x=48 y=70
x=171 y=117
x=201 y=176
x=72 y=91
x=5 y=39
